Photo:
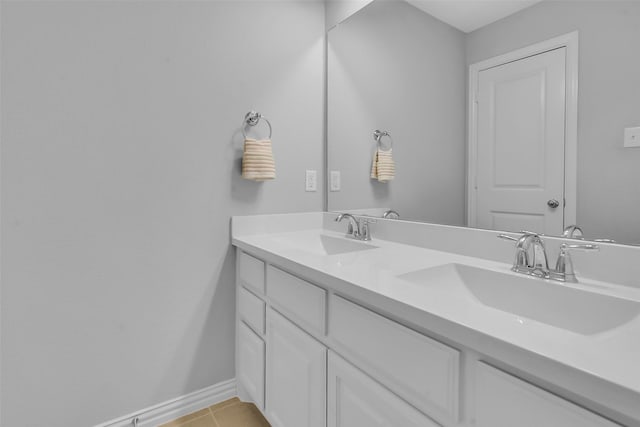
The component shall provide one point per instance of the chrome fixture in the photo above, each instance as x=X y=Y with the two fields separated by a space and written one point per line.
x=531 y=255
x=378 y=135
x=564 y=266
x=572 y=232
x=357 y=229
x=252 y=118
x=575 y=232
x=531 y=258
x=391 y=214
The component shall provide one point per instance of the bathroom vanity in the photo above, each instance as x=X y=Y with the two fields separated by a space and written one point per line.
x=426 y=325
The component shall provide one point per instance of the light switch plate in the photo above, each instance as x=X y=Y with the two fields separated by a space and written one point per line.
x=335 y=181
x=311 y=181
x=632 y=137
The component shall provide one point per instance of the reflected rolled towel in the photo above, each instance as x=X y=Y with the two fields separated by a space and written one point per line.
x=257 y=160
x=383 y=168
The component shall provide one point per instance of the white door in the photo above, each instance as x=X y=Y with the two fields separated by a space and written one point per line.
x=521 y=145
x=356 y=400
x=296 y=375
x=503 y=400
x=251 y=364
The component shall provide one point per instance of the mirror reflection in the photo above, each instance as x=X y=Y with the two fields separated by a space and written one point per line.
x=509 y=124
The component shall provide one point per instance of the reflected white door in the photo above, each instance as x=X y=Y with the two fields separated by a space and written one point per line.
x=520 y=145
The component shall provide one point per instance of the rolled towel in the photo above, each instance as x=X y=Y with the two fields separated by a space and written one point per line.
x=257 y=160
x=383 y=168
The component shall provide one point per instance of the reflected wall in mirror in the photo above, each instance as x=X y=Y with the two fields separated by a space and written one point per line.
x=394 y=67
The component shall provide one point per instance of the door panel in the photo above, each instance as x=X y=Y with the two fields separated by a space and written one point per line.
x=356 y=400
x=503 y=400
x=296 y=375
x=520 y=144
x=251 y=364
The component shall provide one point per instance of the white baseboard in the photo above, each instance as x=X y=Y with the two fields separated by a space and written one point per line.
x=175 y=408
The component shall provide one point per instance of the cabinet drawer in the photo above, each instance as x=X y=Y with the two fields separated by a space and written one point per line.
x=356 y=400
x=251 y=309
x=301 y=301
x=421 y=370
x=251 y=360
x=251 y=272
x=503 y=400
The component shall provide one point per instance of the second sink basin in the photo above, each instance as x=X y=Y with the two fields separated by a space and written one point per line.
x=322 y=244
x=555 y=304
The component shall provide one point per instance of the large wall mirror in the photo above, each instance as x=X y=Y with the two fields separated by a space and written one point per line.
x=517 y=124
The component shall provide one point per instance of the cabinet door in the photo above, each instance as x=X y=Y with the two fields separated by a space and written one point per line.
x=503 y=400
x=251 y=364
x=296 y=375
x=356 y=400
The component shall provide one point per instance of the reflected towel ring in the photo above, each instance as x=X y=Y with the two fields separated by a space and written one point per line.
x=252 y=118
x=378 y=135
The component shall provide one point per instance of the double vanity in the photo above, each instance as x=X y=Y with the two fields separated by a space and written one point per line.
x=427 y=325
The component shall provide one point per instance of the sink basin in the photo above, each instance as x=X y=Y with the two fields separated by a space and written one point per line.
x=321 y=244
x=555 y=304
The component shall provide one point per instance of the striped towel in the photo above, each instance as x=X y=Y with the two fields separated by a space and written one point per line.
x=257 y=160
x=383 y=168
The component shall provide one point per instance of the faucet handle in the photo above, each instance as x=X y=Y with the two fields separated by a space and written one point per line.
x=521 y=260
x=507 y=237
x=564 y=266
x=365 y=233
x=532 y=233
x=586 y=247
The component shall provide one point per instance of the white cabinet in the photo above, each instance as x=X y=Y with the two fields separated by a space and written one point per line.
x=377 y=373
x=295 y=374
x=356 y=400
x=421 y=370
x=251 y=364
x=301 y=301
x=251 y=272
x=251 y=309
x=503 y=400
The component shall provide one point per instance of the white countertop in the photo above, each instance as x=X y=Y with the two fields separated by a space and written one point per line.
x=611 y=357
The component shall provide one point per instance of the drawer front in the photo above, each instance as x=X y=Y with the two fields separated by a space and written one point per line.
x=251 y=360
x=251 y=309
x=503 y=400
x=301 y=301
x=421 y=370
x=356 y=400
x=251 y=272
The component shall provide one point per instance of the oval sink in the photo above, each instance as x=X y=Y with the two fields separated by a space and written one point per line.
x=322 y=244
x=548 y=302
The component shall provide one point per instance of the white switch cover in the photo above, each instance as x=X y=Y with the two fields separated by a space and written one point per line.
x=335 y=181
x=311 y=181
x=632 y=137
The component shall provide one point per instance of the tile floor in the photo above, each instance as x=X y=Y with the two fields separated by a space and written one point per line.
x=230 y=413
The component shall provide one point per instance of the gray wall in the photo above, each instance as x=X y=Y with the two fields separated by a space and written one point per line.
x=394 y=68
x=609 y=100
x=120 y=170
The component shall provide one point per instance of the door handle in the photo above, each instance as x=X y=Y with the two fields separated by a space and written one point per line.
x=553 y=203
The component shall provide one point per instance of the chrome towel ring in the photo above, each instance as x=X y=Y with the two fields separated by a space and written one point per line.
x=378 y=135
x=252 y=118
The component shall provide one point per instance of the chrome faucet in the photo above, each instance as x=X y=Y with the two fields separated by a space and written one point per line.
x=531 y=258
x=572 y=232
x=391 y=213
x=531 y=255
x=357 y=229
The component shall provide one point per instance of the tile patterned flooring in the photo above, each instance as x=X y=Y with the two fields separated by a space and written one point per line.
x=230 y=413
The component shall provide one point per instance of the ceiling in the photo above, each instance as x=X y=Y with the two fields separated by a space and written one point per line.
x=469 y=15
